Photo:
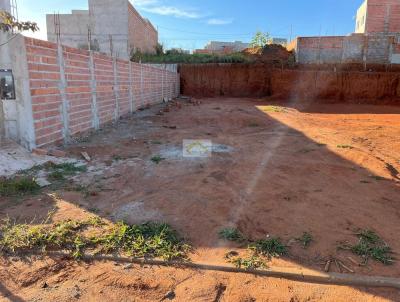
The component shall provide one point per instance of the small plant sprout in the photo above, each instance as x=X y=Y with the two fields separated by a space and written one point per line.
x=305 y=239
x=157 y=159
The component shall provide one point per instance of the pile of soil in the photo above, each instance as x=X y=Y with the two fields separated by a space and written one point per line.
x=269 y=53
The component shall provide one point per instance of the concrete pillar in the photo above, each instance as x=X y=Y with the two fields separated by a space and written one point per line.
x=16 y=117
x=162 y=83
x=116 y=90
x=141 y=86
x=93 y=87
x=64 y=110
x=131 y=96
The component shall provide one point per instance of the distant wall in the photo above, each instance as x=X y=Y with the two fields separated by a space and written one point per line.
x=247 y=80
x=356 y=48
x=67 y=91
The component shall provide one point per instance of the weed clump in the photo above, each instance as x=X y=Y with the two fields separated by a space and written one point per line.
x=231 y=234
x=270 y=247
x=251 y=263
x=260 y=250
x=345 y=147
x=371 y=246
x=18 y=186
x=276 y=109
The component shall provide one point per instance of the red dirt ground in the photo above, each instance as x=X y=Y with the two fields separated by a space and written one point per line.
x=274 y=173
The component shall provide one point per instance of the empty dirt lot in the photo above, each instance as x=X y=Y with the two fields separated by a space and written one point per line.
x=277 y=169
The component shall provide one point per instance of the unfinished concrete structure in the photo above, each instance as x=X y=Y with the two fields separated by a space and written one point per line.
x=376 y=39
x=114 y=27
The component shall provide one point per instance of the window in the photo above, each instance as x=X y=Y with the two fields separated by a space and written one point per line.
x=7 y=88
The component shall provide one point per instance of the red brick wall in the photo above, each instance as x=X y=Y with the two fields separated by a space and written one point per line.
x=78 y=91
x=44 y=73
x=114 y=83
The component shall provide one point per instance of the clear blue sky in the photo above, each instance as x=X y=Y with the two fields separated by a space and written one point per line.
x=190 y=24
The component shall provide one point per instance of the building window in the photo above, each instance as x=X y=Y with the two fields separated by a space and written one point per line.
x=7 y=88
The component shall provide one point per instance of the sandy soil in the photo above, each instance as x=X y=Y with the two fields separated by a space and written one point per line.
x=272 y=173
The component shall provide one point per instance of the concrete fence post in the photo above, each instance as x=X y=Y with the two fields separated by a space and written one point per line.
x=116 y=89
x=365 y=54
x=93 y=87
x=162 y=82
x=64 y=110
x=141 y=86
x=131 y=97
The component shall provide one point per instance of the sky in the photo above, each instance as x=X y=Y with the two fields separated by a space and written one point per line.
x=190 y=24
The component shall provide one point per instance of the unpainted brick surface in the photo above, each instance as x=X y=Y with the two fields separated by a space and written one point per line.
x=145 y=85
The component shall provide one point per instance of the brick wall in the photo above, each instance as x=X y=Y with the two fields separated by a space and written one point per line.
x=74 y=90
x=356 y=48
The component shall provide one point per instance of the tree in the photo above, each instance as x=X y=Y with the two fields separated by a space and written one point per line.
x=8 y=23
x=159 y=49
x=260 y=39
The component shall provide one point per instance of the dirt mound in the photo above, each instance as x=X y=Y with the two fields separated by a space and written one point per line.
x=269 y=53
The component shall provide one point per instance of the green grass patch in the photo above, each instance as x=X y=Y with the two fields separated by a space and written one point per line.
x=305 y=239
x=157 y=159
x=18 y=186
x=371 y=246
x=231 y=234
x=154 y=240
x=59 y=172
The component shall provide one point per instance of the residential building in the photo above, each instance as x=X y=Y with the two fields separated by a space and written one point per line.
x=114 y=27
